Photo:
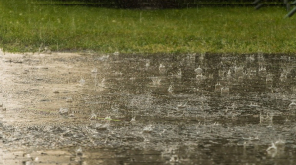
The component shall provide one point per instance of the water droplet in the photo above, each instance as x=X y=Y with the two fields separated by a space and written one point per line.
x=81 y=82
x=170 y=89
x=63 y=110
x=94 y=70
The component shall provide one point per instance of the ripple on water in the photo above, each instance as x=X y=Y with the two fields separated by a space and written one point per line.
x=156 y=109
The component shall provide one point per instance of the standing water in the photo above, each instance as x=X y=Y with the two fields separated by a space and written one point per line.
x=157 y=109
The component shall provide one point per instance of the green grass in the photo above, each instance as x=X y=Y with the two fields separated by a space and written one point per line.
x=26 y=27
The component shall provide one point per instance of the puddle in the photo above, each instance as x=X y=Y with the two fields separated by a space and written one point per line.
x=64 y=108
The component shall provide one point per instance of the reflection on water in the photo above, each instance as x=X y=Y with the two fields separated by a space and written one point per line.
x=156 y=109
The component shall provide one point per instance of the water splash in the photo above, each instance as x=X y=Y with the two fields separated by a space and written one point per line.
x=94 y=70
x=82 y=82
x=170 y=89
x=156 y=80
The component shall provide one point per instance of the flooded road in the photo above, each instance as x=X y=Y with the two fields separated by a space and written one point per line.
x=87 y=109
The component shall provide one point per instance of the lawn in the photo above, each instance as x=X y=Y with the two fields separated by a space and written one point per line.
x=27 y=27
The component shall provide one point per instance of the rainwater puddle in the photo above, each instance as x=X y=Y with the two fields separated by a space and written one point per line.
x=155 y=109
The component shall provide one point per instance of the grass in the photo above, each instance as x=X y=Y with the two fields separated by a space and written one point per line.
x=26 y=27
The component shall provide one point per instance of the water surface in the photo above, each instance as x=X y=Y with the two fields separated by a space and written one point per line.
x=66 y=108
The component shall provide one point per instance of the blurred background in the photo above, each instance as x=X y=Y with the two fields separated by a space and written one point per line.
x=160 y=3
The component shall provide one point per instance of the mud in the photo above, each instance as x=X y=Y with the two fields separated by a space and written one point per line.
x=65 y=108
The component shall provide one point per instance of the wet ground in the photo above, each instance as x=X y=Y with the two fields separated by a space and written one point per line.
x=87 y=109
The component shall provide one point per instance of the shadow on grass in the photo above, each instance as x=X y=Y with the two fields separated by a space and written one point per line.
x=153 y=4
x=160 y=4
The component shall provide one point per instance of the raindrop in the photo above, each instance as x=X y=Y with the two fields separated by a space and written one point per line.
x=199 y=77
x=182 y=105
x=218 y=87
x=267 y=118
x=283 y=77
x=81 y=82
x=179 y=73
x=155 y=80
x=272 y=150
x=279 y=142
x=133 y=120
x=225 y=91
x=108 y=118
x=148 y=129
x=253 y=105
x=269 y=78
x=105 y=57
x=292 y=105
x=174 y=158
x=250 y=58
x=229 y=74
x=63 y=110
x=94 y=70
x=29 y=163
x=69 y=99
x=221 y=73
x=78 y=151
x=147 y=64
x=161 y=68
x=262 y=69
x=198 y=71
x=132 y=78
x=93 y=116
x=170 y=89
x=103 y=82
x=27 y=155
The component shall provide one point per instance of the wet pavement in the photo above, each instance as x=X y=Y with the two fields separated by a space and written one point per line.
x=88 y=109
